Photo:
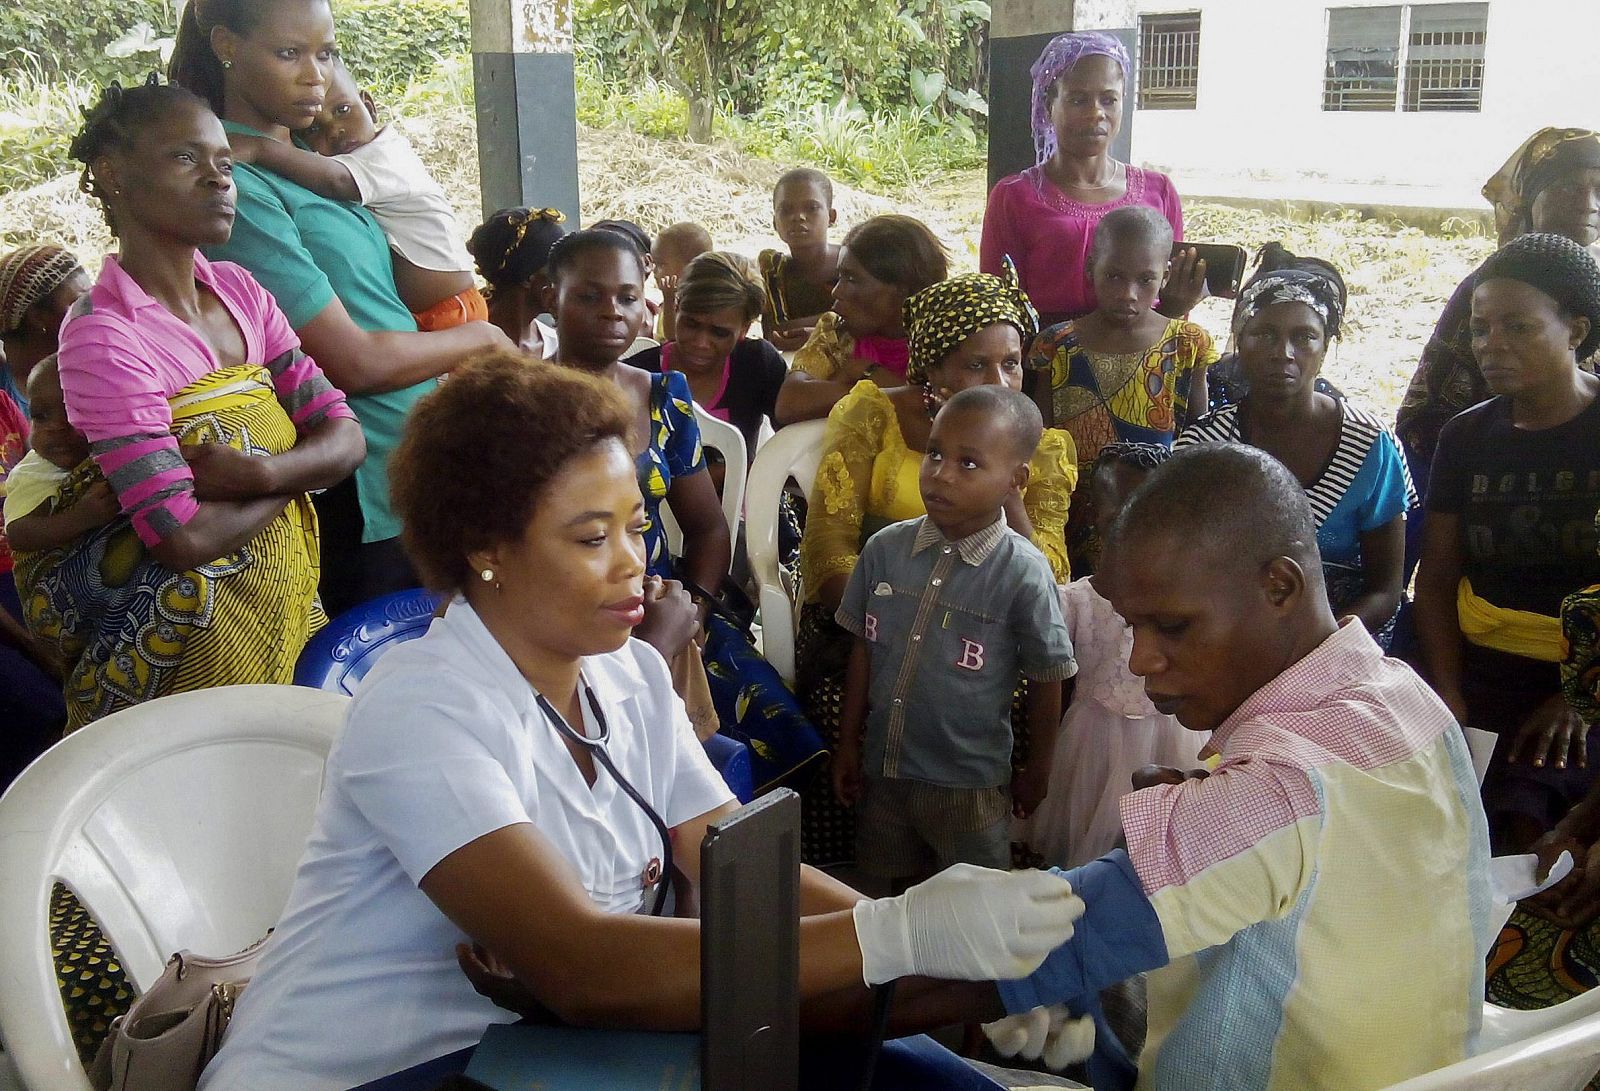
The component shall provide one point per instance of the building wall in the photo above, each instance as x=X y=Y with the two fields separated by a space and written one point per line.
x=1259 y=112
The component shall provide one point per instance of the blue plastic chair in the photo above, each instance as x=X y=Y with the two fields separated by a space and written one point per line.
x=340 y=655
x=732 y=759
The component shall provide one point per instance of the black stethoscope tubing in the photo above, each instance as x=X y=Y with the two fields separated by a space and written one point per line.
x=597 y=748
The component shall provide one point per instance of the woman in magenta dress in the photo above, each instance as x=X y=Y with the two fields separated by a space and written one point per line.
x=1044 y=217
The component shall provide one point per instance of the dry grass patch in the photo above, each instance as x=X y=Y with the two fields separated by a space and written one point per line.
x=1399 y=276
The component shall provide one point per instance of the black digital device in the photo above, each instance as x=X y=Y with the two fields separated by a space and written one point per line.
x=750 y=947
x=1224 y=265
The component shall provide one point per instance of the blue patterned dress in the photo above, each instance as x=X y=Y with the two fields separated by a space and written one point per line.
x=753 y=704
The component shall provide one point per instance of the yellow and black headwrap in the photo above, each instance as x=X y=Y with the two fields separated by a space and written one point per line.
x=941 y=316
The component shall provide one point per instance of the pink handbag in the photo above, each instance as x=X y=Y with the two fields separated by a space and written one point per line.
x=175 y=1027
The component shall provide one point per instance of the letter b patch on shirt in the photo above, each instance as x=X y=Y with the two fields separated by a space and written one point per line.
x=971 y=655
x=870 y=623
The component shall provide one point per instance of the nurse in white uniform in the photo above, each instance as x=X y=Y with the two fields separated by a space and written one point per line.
x=459 y=806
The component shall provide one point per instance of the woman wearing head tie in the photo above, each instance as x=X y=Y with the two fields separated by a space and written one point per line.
x=512 y=252
x=1510 y=531
x=1347 y=460
x=1044 y=217
x=1551 y=184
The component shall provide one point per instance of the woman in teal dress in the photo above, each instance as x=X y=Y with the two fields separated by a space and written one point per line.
x=596 y=294
x=264 y=67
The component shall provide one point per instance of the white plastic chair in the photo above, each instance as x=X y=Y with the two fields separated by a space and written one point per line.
x=1550 y=1049
x=638 y=345
x=178 y=824
x=795 y=452
x=718 y=435
x=721 y=436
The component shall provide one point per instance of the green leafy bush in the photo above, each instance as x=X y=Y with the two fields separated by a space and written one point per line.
x=389 y=44
x=71 y=38
x=39 y=113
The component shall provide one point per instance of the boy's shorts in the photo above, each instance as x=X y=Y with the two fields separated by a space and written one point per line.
x=908 y=828
x=458 y=310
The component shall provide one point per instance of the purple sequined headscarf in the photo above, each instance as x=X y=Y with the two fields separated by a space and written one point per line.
x=1064 y=51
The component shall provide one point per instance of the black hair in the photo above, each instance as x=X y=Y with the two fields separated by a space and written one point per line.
x=1230 y=503
x=112 y=124
x=629 y=230
x=809 y=176
x=46 y=364
x=1013 y=410
x=1138 y=456
x=194 y=65
x=513 y=246
x=1136 y=224
x=1558 y=267
x=714 y=281
x=569 y=248
x=899 y=250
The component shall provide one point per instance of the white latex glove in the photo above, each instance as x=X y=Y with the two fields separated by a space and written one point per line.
x=1049 y=1034
x=967 y=923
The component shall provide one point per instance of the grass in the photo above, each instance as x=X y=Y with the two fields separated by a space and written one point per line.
x=38 y=116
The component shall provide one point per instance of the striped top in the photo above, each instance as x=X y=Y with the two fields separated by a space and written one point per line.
x=1364 y=486
x=123 y=355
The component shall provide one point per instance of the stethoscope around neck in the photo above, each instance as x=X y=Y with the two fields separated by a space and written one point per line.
x=597 y=749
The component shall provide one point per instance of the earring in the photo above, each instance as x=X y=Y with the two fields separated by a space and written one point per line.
x=227 y=65
x=486 y=575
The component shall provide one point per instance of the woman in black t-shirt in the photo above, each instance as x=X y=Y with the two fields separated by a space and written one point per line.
x=1511 y=530
x=734 y=377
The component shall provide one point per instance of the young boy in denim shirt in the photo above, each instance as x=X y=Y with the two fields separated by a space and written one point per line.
x=948 y=610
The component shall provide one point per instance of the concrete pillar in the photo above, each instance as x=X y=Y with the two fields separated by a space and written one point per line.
x=527 y=111
x=1018 y=32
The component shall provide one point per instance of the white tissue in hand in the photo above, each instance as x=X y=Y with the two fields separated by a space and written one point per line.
x=1513 y=878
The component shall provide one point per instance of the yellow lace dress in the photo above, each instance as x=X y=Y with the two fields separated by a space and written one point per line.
x=868 y=479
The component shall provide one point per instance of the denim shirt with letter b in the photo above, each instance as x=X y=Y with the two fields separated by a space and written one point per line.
x=951 y=626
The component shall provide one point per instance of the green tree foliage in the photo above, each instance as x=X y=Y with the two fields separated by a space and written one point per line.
x=388 y=44
x=49 y=38
x=746 y=57
x=58 y=56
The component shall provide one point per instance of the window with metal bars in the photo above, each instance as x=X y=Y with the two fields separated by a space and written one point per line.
x=1169 y=61
x=1414 y=57
x=1444 y=57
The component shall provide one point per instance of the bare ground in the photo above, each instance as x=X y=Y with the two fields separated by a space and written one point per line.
x=1399 y=276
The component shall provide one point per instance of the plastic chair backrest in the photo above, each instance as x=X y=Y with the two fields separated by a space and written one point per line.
x=339 y=656
x=794 y=451
x=178 y=823
x=1550 y=1049
x=731 y=758
x=720 y=436
x=640 y=344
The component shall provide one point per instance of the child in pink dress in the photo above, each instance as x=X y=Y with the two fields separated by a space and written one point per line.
x=1110 y=728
